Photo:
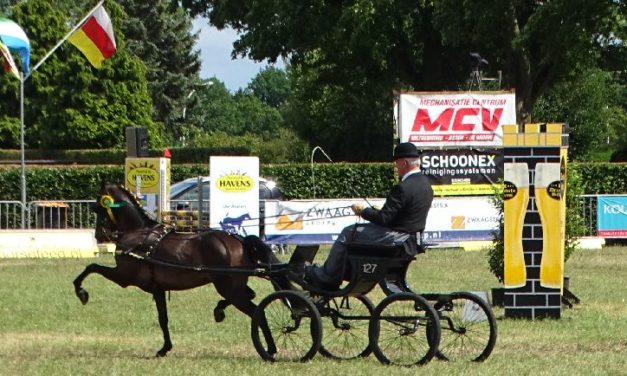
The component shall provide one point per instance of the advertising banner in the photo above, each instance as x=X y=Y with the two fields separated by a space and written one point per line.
x=465 y=172
x=451 y=219
x=234 y=205
x=515 y=202
x=549 y=196
x=308 y=221
x=463 y=119
x=612 y=216
x=153 y=175
x=149 y=171
x=457 y=219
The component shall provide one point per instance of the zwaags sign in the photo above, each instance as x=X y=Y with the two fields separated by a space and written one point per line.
x=455 y=119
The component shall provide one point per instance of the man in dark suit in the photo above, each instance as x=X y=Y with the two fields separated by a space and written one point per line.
x=401 y=219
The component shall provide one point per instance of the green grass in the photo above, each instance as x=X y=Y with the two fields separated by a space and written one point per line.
x=44 y=330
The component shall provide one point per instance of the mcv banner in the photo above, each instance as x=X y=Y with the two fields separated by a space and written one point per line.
x=455 y=119
x=612 y=216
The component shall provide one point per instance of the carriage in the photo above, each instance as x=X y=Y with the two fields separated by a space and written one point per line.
x=405 y=328
x=298 y=320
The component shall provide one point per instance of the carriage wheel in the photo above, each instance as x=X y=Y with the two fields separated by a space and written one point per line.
x=345 y=326
x=468 y=327
x=294 y=324
x=398 y=330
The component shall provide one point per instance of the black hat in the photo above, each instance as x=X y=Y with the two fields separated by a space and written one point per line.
x=405 y=150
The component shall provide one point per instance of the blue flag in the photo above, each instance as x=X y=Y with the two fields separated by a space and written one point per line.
x=16 y=40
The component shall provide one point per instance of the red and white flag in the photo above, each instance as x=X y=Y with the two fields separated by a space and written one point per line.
x=95 y=37
x=7 y=61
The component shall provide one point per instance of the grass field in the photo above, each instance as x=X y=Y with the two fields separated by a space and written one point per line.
x=44 y=329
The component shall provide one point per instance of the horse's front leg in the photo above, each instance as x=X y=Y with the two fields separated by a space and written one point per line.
x=109 y=273
x=162 y=311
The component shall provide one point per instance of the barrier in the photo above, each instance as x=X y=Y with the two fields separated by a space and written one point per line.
x=48 y=243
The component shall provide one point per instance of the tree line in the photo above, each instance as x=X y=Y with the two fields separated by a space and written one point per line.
x=565 y=59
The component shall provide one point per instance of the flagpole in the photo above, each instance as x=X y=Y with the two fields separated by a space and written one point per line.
x=78 y=25
x=22 y=155
x=23 y=78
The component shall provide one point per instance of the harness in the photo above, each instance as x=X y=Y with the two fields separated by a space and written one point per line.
x=150 y=243
x=145 y=250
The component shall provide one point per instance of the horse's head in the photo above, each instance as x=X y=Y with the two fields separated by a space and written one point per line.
x=117 y=210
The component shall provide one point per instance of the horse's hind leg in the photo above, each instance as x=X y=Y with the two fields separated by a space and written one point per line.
x=240 y=300
x=162 y=311
x=112 y=274
x=218 y=311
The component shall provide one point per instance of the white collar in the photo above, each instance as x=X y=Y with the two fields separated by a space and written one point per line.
x=408 y=174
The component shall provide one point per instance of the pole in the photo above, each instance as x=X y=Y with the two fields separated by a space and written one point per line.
x=22 y=80
x=22 y=153
x=313 y=180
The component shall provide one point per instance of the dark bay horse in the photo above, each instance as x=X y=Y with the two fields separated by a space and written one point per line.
x=155 y=259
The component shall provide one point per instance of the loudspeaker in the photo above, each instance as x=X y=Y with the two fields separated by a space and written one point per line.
x=136 y=142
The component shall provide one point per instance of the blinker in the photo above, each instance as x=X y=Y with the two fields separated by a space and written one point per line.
x=107 y=201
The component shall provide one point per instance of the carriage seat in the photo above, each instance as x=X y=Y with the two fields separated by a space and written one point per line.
x=391 y=260
x=367 y=265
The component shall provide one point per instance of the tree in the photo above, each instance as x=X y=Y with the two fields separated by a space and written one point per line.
x=535 y=43
x=161 y=36
x=419 y=45
x=68 y=103
x=217 y=110
x=271 y=86
x=584 y=101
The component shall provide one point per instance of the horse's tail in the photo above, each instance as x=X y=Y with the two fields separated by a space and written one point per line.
x=259 y=251
x=262 y=253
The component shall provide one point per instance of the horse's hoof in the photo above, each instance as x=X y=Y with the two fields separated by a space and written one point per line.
x=218 y=315
x=83 y=296
x=164 y=351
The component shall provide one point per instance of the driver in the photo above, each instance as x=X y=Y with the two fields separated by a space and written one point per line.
x=401 y=218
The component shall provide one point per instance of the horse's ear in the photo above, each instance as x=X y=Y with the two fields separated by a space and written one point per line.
x=103 y=185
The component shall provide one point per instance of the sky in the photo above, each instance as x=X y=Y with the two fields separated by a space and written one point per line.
x=215 y=54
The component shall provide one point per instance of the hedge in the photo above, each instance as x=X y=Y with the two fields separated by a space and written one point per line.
x=338 y=180
x=116 y=156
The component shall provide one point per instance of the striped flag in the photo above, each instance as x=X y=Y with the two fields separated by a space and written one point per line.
x=12 y=36
x=7 y=61
x=95 y=37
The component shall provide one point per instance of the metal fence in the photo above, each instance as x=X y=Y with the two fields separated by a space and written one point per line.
x=57 y=214
x=588 y=207
x=77 y=214
x=10 y=215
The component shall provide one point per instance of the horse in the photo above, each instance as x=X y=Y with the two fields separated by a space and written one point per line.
x=233 y=224
x=152 y=257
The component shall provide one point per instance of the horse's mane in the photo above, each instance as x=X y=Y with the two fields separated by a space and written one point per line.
x=135 y=201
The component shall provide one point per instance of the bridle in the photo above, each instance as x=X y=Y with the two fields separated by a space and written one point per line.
x=107 y=202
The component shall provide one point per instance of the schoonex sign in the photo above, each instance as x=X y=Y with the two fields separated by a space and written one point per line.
x=463 y=172
x=455 y=119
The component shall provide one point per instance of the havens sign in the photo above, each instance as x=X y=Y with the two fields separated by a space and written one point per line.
x=148 y=176
x=235 y=183
x=148 y=172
